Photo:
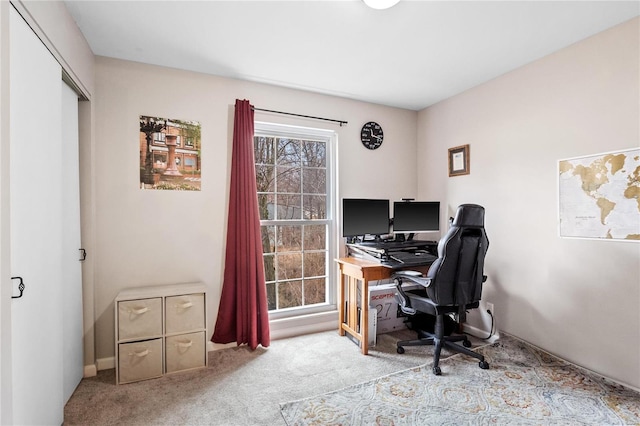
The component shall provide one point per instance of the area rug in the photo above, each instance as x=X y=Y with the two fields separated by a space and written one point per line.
x=524 y=386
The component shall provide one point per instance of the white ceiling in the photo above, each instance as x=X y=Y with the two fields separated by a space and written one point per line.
x=410 y=56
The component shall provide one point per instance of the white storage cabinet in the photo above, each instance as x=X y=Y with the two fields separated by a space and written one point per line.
x=159 y=330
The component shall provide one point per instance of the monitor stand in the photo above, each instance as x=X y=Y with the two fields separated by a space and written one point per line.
x=402 y=237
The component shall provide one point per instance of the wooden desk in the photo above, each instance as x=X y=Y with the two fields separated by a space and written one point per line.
x=351 y=272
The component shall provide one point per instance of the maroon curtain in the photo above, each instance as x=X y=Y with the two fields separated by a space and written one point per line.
x=243 y=315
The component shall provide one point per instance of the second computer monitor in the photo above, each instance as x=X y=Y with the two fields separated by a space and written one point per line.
x=416 y=216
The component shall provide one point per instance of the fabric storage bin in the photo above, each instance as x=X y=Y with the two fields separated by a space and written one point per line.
x=139 y=360
x=184 y=313
x=139 y=318
x=185 y=351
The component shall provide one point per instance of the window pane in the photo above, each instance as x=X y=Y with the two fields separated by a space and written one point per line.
x=288 y=152
x=315 y=181
x=289 y=206
x=314 y=291
x=289 y=238
x=269 y=267
x=265 y=178
x=289 y=179
x=315 y=207
x=315 y=264
x=289 y=266
x=266 y=206
x=289 y=294
x=263 y=150
x=268 y=239
x=314 y=154
x=271 y=296
x=315 y=237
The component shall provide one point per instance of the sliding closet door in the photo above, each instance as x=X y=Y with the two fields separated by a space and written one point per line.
x=36 y=217
x=72 y=331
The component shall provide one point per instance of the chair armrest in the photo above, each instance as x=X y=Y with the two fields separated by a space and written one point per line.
x=413 y=276
x=403 y=301
x=404 y=276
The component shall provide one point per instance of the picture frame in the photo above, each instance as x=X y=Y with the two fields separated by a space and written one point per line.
x=170 y=157
x=459 y=160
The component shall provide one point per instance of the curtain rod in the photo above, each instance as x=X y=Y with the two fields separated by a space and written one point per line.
x=300 y=115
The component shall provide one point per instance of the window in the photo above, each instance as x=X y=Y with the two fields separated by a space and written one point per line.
x=159 y=138
x=294 y=177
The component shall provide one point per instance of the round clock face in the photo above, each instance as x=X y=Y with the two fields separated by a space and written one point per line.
x=371 y=135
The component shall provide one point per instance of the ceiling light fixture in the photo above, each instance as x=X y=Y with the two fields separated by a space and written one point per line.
x=380 y=4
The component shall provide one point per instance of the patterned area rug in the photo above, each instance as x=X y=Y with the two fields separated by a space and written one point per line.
x=523 y=386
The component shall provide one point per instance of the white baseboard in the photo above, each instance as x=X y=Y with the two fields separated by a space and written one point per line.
x=481 y=334
x=106 y=363
x=90 y=370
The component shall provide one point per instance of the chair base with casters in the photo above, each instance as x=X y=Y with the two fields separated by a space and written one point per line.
x=418 y=301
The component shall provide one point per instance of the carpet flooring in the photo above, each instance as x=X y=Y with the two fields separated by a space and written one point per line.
x=244 y=387
x=524 y=386
x=239 y=386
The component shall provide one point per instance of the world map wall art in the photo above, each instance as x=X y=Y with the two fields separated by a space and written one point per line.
x=169 y=154
x=599 y=196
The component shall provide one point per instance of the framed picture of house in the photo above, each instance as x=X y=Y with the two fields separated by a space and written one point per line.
x=169 y=154
x=459 y=160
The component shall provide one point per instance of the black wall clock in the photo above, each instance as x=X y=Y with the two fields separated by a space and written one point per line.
x=371 y=135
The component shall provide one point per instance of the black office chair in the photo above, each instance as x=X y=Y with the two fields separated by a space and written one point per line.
x=452 y=285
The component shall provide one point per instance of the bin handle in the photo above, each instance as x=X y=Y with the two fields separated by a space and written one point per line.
x=141 y=353
x=185 y=305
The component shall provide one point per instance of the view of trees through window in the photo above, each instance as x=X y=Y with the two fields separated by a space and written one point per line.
x=291 y=177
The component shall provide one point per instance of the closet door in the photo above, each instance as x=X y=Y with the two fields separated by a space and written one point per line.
x=72 y=331
x=36 y=218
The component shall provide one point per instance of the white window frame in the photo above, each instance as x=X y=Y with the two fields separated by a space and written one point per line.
x=331 y=137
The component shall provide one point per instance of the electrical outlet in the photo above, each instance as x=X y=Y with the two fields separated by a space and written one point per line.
x=490 y=308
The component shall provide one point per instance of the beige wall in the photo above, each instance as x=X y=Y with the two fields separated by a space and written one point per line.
x=146 y=237
x=575 y=298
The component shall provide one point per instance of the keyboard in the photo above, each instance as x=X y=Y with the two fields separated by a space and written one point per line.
x=412 y=258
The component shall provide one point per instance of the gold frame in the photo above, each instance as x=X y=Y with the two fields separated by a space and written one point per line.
x=459 y=160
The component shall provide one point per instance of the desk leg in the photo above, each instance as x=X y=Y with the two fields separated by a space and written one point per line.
x=364 y=327
x=341 y=302
x=353 y=317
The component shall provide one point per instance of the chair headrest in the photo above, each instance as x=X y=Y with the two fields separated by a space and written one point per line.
x=469 y=215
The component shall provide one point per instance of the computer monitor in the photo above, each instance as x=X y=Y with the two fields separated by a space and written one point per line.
x=361 y=216
x=416 y=216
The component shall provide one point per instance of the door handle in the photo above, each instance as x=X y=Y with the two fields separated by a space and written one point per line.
x=20 y=287
x=84 y=254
